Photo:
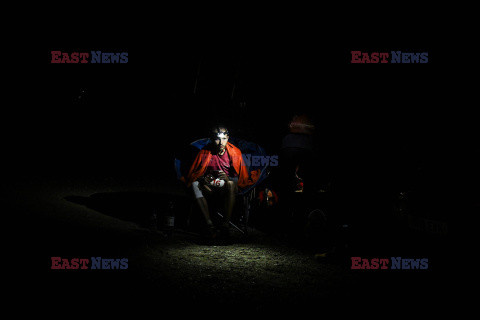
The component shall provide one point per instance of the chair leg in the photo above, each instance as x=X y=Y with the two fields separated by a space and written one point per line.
x=246 y=212
x=231 y=223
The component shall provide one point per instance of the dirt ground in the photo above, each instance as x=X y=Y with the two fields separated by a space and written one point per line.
x=258 y=273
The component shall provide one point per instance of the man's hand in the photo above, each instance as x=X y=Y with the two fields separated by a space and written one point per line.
x=205 y=188
x=205 y=183
x=223 y=176
x=208 y=179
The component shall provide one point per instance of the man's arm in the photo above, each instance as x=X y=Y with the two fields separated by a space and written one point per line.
x=204 y=183
x=223 y=176
x=198 y=167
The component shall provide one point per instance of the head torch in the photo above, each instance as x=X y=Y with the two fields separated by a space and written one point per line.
x=220 y=135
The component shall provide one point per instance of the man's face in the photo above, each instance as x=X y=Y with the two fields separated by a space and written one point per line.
x=220 y=138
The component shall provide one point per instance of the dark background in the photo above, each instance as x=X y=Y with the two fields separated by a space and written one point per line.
x=130 y=117
x=376 y=123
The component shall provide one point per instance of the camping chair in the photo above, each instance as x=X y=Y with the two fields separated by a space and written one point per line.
x=245 y=196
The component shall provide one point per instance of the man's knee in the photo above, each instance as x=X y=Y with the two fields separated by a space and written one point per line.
x=197 y=193
x=231 y=185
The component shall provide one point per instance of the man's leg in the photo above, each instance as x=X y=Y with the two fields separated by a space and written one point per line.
x=202 y=203
x=230 y=194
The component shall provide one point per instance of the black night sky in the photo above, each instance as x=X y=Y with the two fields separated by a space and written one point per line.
x=273 y=73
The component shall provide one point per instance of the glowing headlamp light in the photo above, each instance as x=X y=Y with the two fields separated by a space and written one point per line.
x=222 y=135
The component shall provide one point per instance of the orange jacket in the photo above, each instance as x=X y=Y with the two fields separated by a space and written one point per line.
x=199 y=167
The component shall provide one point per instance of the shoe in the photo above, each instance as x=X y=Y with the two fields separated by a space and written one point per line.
x=224 y=232
x=210 y=232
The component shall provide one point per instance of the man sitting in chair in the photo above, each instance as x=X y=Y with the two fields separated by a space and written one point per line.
x=219 y=169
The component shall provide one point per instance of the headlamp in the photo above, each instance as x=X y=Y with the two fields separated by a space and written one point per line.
x=221 y=135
